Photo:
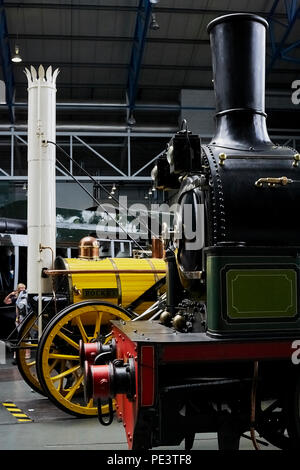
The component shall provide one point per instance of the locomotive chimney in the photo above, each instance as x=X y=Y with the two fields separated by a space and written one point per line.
x=41 y=212
x=238 y=60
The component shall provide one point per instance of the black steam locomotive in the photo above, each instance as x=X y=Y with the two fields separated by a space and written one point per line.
x=223 y=356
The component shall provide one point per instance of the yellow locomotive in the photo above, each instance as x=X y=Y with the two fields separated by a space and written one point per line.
x=88 y=292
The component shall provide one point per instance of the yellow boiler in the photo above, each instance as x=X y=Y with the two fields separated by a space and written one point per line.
x=120 y=281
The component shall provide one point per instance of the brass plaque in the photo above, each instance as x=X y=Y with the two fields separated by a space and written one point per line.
x=105 y=293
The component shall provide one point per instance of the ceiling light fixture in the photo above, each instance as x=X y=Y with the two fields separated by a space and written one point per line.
x=154 y=24
x=17 y=57
x=131 y=121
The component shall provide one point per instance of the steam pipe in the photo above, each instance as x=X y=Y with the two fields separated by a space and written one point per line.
x=59 y=272
x=73 y=127
x=13 y=226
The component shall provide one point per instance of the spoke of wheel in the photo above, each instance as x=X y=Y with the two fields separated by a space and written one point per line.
x=107 y=339
x=30 y=364
x=74 y=387
x=90 y=403
x=68 y=340
x=272 y=407
x=68 y=357
x=98 y=324
x=81 y=329
x=62 y=369
x=65 y=373
x=53 y=365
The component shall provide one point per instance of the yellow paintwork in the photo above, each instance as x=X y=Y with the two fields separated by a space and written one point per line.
x=28 y=366
x=69 y=397
x=131 y=285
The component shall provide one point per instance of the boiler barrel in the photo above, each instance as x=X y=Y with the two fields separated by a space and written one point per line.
x=115 y=285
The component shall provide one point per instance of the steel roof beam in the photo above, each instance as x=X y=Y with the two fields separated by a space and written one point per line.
x=129 y=39
x=137 y=52
x=104 y=65
x=280 y=49
x=128 y=8
x=6 y=64
x=120 y=86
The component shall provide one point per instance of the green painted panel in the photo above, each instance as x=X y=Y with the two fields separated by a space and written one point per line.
x=261 y=293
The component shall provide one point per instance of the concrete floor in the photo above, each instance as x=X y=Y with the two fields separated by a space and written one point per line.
x=53 y=429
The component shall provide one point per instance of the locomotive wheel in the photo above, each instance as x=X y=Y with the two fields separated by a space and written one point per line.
x=58 y=362
x=273 y=425
x=27 y=337
x=294 y=416
x=280 y=420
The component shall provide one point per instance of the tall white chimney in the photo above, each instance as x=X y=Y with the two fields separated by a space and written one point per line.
x=41 y=212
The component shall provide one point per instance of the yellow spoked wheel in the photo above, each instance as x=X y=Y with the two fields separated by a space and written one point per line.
x=27 y=350
x=58 y=361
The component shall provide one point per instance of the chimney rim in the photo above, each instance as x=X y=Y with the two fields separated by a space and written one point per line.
x=236 y=17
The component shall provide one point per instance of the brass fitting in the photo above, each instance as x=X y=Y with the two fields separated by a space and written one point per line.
x=222 y=158
x=272 y=182
x=89 y=248
x=296 y=159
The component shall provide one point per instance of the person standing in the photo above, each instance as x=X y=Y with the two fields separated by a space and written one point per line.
x=11 y=298
x=21 y=304
x=19 y=299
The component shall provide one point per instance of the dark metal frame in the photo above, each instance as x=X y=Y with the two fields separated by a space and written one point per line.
x=6 y=63
x=280 y=50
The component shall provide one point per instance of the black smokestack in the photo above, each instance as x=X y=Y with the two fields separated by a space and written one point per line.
x=238 y=58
